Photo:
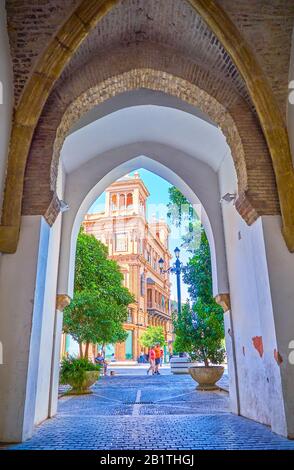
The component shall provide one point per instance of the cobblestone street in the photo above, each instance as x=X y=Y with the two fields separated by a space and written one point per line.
x=134 y=411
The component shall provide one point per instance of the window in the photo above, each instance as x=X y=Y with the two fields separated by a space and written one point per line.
x=130 y=316
x=122 y=201
x=121 y=242
x=142 y=279
x=113 y=202
x=125 y=280
x=129 y=200
x=148 y=257
x=149 y=298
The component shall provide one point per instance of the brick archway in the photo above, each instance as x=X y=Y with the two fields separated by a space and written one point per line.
x=252 y=200
x=59 y=52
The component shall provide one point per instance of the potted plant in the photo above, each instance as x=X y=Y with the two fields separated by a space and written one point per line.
x=199 y=332
x=79 y=373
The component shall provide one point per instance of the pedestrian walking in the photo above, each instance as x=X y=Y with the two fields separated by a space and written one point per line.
x=157 y=350
x=151 y=360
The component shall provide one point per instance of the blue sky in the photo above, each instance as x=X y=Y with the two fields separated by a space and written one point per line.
x=156 y=205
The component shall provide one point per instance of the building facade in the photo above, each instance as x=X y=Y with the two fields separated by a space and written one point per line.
x=137 y=246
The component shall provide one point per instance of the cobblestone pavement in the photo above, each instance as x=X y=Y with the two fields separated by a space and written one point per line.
x=134 y=411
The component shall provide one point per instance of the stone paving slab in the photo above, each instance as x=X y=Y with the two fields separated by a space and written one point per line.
x=117 y=416
x=179 y=432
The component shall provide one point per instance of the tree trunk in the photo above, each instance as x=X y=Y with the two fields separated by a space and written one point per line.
x=205 y=360
x=94 y=352
x=81 y=350
x=87 y=350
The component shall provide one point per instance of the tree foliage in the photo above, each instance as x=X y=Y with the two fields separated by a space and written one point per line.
x=198 y=275
x=99 y=306
x=199 y=329
x=153 y=335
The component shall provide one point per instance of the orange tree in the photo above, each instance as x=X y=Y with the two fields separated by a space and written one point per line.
x=100 y=302
x=199 y=330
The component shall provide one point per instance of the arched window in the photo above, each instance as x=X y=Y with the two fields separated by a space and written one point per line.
x=114 y=202
x=122 y=201
x=130 y=316
x=129 y=200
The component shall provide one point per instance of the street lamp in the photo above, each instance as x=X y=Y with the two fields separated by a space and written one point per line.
x=177 y=268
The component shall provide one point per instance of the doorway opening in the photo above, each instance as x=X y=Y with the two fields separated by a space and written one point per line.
x=140 y=221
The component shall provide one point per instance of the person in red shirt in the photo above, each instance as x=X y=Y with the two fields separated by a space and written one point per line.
x=157 y=350
x=151 y=360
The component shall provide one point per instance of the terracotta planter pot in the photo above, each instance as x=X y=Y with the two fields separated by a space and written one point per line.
x=206 y=376
x=80 y=389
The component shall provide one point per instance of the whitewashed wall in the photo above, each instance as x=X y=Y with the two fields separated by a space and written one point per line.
x=258 y=378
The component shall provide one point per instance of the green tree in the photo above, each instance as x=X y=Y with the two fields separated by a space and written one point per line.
x=182 y=214
x=198 y=275
x=153 y=335
x=199 y=330
x=99 y=306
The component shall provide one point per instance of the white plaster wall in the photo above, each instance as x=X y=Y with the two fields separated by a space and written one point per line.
x=53 y=397
x=22 y=285
x=146 y=123
x=48 y=325
x=258 y=378
x=231 y=360
x=281 y=277
x=6 y=87
x=48 y=373
x=191 y=176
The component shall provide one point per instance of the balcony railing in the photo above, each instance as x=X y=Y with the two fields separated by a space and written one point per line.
x=155 y=306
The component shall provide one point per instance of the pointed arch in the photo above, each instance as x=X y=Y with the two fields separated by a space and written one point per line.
x=59 y=52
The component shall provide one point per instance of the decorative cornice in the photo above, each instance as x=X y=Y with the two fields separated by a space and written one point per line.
x=224 y=301
x=62 y=301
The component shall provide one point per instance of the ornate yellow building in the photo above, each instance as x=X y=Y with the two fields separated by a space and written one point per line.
x=137 y=246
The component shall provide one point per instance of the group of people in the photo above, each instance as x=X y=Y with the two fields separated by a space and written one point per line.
x=155 y=359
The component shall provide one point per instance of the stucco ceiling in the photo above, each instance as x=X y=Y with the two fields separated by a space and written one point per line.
x=146 y=123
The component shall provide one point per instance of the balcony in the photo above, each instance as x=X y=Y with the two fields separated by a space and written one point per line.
x=157 y=310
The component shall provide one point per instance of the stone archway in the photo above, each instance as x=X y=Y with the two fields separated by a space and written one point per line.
x=94 y=178
x=249 y=206
x=257 y=188
x=60 y=51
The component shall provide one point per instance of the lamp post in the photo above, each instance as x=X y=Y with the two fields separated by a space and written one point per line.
x=176 y=269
